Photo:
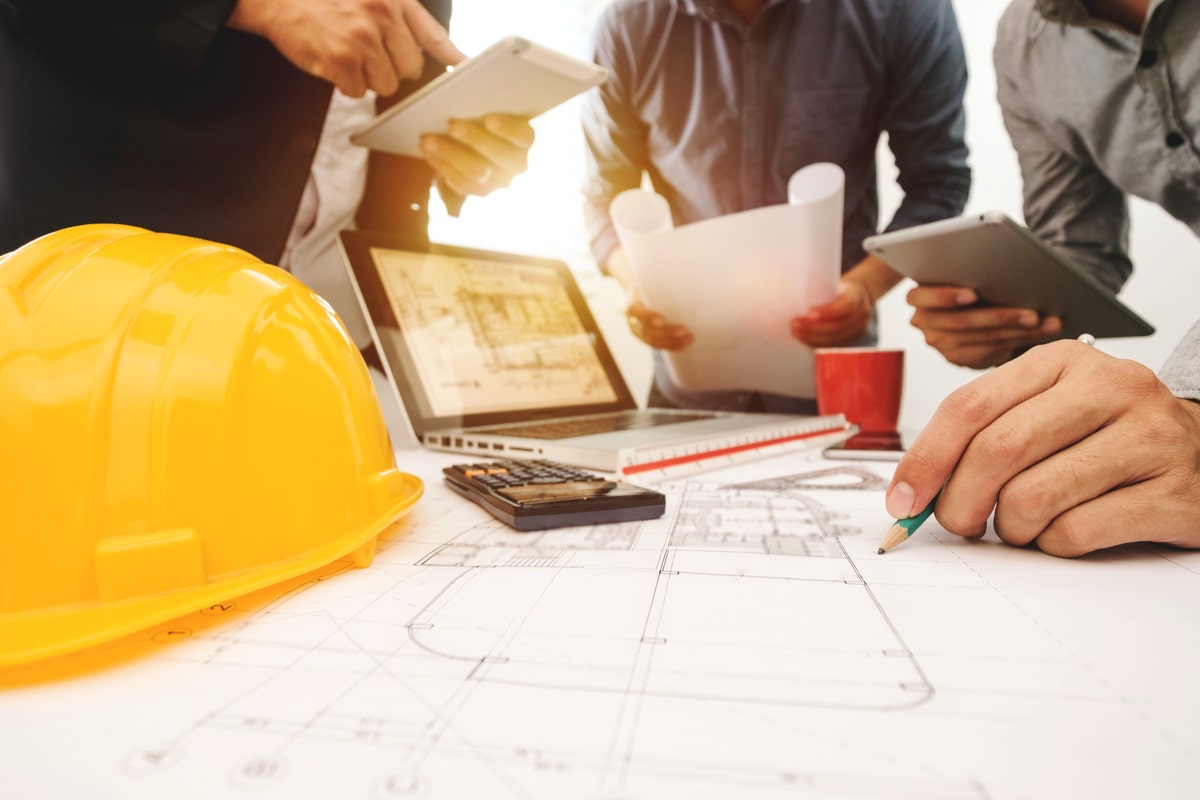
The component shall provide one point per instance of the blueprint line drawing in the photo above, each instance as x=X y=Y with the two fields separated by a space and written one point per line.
x=484 y=334
x=749 y=644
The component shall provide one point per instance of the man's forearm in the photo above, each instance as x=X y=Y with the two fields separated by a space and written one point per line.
x=618 y=266
x=876 y=277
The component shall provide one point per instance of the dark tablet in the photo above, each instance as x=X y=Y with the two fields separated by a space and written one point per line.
x=1007 y=266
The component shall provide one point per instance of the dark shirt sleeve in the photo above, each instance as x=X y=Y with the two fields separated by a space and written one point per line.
x=923 y=113
x=615 y=137
x=1068 y=202
x=154 y=114
x=171 y=33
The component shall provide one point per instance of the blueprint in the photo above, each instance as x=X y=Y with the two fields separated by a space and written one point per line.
x=749 y=644
x=487 y=336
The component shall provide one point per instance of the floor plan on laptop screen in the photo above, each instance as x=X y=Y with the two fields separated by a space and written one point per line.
x=491 y=336
x=750 y=644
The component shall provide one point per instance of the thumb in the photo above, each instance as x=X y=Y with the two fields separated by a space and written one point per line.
x=843 y=302
x=939 y=297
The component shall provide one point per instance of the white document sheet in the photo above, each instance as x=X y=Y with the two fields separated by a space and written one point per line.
x=749 y=644
x=737 y=281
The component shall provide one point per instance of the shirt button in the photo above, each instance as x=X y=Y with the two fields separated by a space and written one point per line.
x=1149 y=59
x=1174 y=139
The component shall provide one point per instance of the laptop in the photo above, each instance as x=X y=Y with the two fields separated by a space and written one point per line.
x=497 y=355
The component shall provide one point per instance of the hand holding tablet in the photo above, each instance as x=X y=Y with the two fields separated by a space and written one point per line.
x=514 y=77
x=988 y=287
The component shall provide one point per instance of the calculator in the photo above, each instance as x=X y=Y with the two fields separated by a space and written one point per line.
x=535 y=495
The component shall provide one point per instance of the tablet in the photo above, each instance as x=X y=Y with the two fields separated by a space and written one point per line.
x=1007 y=266
x=513 y=76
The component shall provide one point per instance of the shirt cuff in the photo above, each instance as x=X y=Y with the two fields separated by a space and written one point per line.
x=1181 y=373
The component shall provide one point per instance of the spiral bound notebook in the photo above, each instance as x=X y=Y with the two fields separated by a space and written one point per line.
x=495 y=354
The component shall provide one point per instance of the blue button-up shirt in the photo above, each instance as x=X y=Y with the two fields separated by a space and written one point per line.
x=720 y=112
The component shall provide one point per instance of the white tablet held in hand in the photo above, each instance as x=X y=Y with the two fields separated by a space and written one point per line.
x=514 y=76
x=1007 y=265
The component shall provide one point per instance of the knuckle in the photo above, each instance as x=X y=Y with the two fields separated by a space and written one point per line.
x=965 y=404
x=378 y=10
x=1135 y=378
x=1022 y=509
x=1010 y=533
x=958 y=522
x=360 y=34
x=919 y=461
x=343 y=59
x=1065 y=538
x=999 y=444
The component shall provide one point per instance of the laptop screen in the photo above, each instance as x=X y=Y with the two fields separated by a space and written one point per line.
x=473 y=337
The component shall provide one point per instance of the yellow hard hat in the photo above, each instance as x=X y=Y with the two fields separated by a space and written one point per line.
x=180 y=424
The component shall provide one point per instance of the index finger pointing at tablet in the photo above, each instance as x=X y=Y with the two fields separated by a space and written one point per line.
x=430 y=35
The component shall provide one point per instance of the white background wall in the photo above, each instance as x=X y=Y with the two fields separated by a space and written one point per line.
x=540 y=213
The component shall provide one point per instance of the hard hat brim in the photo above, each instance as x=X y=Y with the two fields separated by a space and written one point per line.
x=36 y=635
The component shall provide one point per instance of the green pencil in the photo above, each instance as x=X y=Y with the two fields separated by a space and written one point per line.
x=904 y=528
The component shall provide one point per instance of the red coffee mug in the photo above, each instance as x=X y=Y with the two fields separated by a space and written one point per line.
x=864 y=383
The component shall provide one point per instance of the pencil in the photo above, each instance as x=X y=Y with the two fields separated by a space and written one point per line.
x=904 y=528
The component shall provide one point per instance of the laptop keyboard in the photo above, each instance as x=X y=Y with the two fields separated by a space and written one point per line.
x=598 y=423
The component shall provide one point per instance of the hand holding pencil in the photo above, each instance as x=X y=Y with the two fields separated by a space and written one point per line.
x=903 y=528
x=1057 y=443
x=907 y=525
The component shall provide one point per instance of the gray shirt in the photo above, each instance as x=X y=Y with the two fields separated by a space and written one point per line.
x=1181 y=373
x=1097 y=113
x=719 y=113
